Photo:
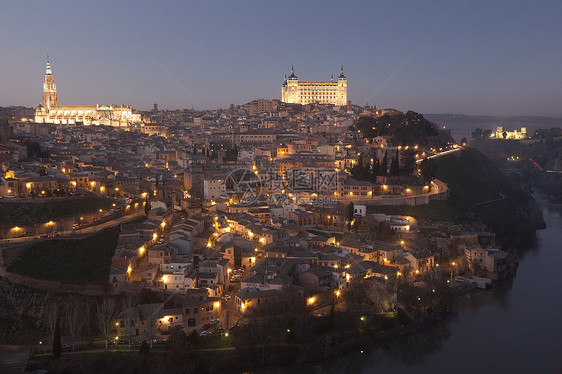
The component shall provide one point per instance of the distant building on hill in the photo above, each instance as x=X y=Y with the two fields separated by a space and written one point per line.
x=328 y=92
x=504 y=134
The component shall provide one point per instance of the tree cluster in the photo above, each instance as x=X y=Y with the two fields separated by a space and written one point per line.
x=410 y=128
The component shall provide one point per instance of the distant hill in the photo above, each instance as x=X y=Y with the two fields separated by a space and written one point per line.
x=461 y=125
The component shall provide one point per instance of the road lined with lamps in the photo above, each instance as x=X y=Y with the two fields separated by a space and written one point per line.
x=72 y=234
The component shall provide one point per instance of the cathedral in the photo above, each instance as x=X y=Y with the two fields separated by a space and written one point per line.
x=330 y=92
x=49 y=111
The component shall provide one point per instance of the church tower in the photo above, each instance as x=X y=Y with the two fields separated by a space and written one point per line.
x=342 y=89
x=50 y=97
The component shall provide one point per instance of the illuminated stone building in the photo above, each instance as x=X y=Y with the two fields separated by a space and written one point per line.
x=331 y=92
x=49 y=111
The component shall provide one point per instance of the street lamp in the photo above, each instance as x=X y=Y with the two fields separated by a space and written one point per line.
x=453 y=264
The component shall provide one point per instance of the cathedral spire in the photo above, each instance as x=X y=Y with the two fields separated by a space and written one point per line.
x=341 y=73
x=50 y=97
x=48 y=69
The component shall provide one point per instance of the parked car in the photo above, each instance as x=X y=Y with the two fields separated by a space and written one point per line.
x=75 y=226
x=321 y=315
x=205 y=333
x=215 y=321
x=206 y=326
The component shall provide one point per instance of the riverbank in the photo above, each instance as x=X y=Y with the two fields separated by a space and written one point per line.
x=510 y=328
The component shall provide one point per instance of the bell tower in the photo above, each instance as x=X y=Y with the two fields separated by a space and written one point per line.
x=50 y=97
x=342 y=88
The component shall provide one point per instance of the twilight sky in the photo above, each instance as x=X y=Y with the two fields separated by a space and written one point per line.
x=473 y=57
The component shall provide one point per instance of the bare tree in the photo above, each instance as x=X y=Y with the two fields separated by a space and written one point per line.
x=106 y=314
x=151 y=331
x=129 y=305
x=51 y=315
x=75 y=319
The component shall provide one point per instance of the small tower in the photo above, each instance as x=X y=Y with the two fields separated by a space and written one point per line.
x=50 y=97
x=341 y=74
x=4 y=131
x=289 y=90
x=342 y=88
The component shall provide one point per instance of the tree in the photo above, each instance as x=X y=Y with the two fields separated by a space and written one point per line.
x=375 y=169
x=427 y=170
x=147 y=296
x=408 y=161
x=106 y=314
x=486 y=134
x=393 y=166
x=144 y=348
x=57 y=346
x=129 y=305
x=51 y=316
x=350 y=214
x=384 y=165
x=355 y=296
x=504 y=134
x=464 y=141
x=476 y=134
x=75 y=319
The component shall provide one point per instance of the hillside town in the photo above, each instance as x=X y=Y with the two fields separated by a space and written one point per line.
x=248 y=207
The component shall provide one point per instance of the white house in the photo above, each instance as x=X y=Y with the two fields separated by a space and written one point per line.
x=213 y=188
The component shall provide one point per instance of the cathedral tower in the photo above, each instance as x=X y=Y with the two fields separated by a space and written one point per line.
x=50 y=97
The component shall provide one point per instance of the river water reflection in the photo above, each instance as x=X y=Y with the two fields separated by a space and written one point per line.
x=515 y=328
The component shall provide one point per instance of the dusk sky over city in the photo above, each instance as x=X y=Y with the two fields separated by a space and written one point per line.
x=472 y=57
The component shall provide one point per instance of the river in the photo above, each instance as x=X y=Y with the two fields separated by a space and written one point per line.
x=514 y=328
